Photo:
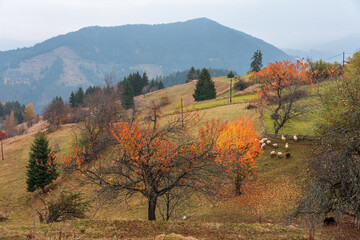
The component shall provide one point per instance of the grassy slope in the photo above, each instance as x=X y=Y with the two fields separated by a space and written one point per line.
x=176 y=92
x=14 y=198
x=267 y=198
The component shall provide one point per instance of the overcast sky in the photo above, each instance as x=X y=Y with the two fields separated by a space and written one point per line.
x=299 y=24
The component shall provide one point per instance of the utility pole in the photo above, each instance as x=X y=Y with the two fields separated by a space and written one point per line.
x=343 y=59
x=230 y=92
x=182 y=113
x=2 y=150
x=34 y=222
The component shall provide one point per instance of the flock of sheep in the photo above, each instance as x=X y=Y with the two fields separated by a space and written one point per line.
x=266 y=142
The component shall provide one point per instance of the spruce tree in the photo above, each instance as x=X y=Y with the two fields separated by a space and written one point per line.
x=256 y=63
x=205 y=87
x=72 y=100
x=161 y=85
x=127 y=95
x=230 y=75
x=79 y=97
x=41 y=167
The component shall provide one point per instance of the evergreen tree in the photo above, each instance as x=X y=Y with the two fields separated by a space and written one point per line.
x=230 y=75
x=79 y=96
x=160 y=85
x=41 y=167
x=144 y=80
x=91 y=90
x=256 y=63
x=19 y=115
x=205 y=87
x=2 y=111
x=127 y=95
x=72 y=100
x=153 y=85
x=192 y=74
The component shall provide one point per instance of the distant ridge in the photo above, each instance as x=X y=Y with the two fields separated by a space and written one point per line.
x=82 y=58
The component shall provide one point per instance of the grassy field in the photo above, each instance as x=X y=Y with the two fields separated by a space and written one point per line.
x=259 y=213
x=15 y=201
x=177 y=92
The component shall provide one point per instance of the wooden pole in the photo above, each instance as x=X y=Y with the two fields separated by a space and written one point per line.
x=231 y=90
x=182 y=113
x=34 y=222
x=2 y=151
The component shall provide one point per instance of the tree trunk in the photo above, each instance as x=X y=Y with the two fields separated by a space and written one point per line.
x=167 y=206
x=152 y=200
x=238 y=182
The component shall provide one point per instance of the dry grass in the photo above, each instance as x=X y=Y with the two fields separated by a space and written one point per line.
x=14 y=200
x=257 y=214
x=176 y=92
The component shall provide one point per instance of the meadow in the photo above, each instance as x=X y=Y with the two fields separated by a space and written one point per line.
x=261 y=212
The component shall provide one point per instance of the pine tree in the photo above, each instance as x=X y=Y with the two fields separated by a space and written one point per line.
x=230 y=75
x=41 y=167
x=205 y=87
x=79 y=97
x=72 y=100
x=127 y=95
x=161 y=85
x=192 y=74
x=256 y=63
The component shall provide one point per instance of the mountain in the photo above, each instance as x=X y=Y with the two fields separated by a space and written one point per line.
x=330 y=51
x=348 y=44
x=82 y=58
x=314 y=55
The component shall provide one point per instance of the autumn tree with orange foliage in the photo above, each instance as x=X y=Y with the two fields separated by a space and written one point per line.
x=154 y=160
x=238 y=149
x=282 y=88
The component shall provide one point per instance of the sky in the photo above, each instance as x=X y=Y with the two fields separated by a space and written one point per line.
x=296 y=24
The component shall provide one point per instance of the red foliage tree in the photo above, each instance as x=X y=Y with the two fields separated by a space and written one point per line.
x=155 y=160
x=282 y=88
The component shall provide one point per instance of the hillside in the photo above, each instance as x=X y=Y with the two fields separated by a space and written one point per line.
x=259 y=213
x=82 y=58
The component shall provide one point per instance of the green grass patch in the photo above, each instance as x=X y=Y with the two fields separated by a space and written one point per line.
x=237 y=99
x=304 y=124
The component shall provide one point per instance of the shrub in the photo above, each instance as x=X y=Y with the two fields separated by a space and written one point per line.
x=67 y=206
x=251 y=106
x=164 y=100
x=230 y=75
x=241 y=84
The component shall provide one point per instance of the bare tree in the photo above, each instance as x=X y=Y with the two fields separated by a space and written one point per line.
x=55 y=112
x=10 y=125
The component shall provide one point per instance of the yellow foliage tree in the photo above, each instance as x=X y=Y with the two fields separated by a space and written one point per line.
x=238 y=149
x=29 y=114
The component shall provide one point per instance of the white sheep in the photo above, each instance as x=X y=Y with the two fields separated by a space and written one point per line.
x=275 y=145
x=273 y=154
x=283 y=138
x=286 y=146
x=268 y=142
x=280 y=154
x=264 y=139
x=263 y=145
x=295 y=138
